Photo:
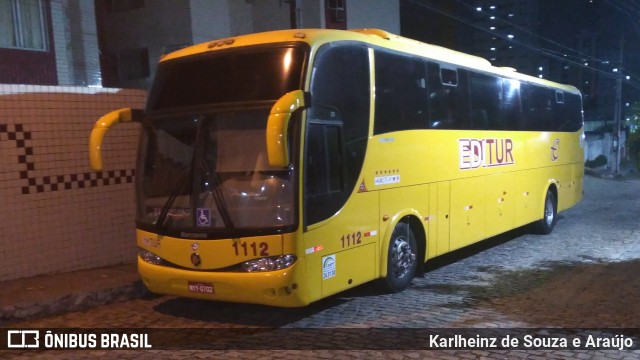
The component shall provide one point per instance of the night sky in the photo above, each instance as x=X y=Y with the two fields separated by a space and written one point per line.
x=583 y=36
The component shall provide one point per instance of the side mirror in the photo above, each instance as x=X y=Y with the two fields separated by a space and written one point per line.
x=101 y=127
x=277 y=125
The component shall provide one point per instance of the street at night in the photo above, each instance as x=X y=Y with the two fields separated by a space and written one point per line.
x=582 y=276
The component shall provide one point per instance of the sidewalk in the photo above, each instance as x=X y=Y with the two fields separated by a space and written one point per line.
x=54 y=294
x=627 y=169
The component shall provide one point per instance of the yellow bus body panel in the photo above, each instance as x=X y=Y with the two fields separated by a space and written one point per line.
x=277 y=288
x=463 y=206
x=342 y=251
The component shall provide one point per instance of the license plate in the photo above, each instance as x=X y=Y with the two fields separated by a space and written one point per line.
x=201 y=287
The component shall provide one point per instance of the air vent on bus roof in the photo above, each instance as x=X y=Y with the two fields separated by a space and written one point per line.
x=376 y=32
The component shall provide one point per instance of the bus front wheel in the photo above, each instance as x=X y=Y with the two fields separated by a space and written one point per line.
x=401 y=259
x=545 y=225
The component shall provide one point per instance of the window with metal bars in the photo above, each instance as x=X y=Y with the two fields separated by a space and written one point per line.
x=22 y=25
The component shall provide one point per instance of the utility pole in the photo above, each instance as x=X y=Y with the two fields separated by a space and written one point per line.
x=617 y=114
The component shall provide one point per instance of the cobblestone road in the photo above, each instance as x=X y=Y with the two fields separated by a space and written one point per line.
x=583 y=275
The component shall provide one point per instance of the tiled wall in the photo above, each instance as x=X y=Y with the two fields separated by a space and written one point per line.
x=57 y=215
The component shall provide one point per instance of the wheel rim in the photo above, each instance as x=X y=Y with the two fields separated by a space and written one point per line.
x=403 y=258
x=548 y=211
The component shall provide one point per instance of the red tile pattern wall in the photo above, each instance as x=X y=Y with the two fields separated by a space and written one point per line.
x=56 y=213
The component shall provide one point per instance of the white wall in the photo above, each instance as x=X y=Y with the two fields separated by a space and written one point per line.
x=311 y=14
x=270 y=15
x=210 y=19
x=380 y=14
x=241 y=21
x=595 y=145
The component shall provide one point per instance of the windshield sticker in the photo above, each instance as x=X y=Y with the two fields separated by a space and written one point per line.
x=386 y=180
x=476 y=153
x=204 y=216
x=153 y=242
x=328 y=266
x=363 y=187
x=311 y=250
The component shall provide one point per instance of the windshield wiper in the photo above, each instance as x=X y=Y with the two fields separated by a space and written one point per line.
x=205 y=170
x=184 y=179
x=221 y=204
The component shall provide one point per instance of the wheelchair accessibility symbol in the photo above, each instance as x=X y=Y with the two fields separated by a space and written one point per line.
x=204 y=216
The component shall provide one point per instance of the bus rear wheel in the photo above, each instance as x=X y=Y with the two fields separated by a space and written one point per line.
x=545 y=225
x=401 y=259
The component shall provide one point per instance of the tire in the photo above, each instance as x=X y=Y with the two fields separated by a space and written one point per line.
x=545 y=225
x=401 y=259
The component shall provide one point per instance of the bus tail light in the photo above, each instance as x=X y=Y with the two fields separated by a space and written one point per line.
x=269 y=263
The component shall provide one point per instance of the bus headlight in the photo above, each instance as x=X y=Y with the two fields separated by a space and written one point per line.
x=150 y=257
x=269 y=263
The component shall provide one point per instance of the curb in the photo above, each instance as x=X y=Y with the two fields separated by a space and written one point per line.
x=607 y=174
x=592 y=172
x=70 y=302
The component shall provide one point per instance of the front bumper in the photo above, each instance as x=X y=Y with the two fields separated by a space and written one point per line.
x=274 y=288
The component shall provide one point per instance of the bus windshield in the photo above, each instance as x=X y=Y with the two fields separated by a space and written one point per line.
x=210 y=174
x=203 y=169
x=248 y=74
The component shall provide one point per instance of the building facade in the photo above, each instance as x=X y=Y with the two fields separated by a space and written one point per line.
x=116 y=43
x=48 y=42
x=134 y=34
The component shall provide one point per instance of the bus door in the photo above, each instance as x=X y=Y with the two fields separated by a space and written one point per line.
x=340 y=219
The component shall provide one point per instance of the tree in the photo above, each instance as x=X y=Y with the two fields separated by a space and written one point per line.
x=633 y=140
x=634 y=116
x=633 y=147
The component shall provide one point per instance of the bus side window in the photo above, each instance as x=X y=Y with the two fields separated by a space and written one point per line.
x=448 y=97
x=401 y=93
x=530 y=108
x=547 y=99
x=567 y=112
x=511 y=104
x=337 y=128
x=572 y=113
x=546 y=109
x=485 y=98
x=324 y=158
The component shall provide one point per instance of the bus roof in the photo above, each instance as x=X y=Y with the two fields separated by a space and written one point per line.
x=377 y=37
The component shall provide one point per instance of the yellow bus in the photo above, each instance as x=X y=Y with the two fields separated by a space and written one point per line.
x=283 y=167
